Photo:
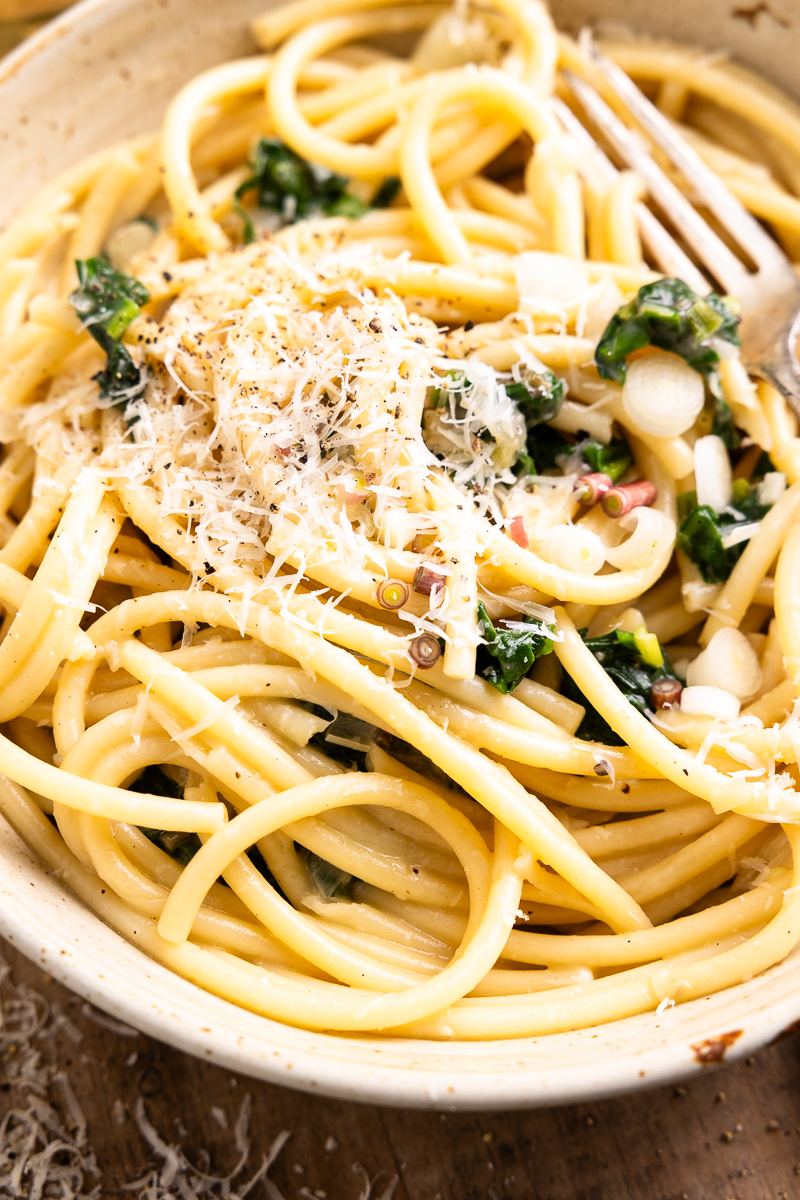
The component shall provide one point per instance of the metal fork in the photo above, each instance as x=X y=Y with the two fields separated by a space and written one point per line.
x=770 y=295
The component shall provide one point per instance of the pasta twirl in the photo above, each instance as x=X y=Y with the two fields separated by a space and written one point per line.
x=380 y=649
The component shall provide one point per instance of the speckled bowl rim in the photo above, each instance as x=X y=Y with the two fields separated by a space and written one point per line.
x=49 y=925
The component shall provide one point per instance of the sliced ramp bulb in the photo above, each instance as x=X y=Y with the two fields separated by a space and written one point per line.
x=712 y=473
x=652 y=534
x=392 y=593
x=702 y=701
x=662 y=395
x=622 y=499
x=666 y=693
x=574 y=548
x=728 y=662
x=591 y=488
x=428 y=579
x=425 y=651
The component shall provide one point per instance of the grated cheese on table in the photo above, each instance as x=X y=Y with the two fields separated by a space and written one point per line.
x=44 y=1147
x=45 y=1152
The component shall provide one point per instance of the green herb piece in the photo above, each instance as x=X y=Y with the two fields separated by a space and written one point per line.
x=346 y=206
x=747 y=505
x=613 y=460
x=763 y=467
x=121 y=380
x=539 y=394
x=544 y=447
x=700 y=540
x=180 y=846
x=107 y=297
x=723 y=425
x=386 y=192
x=685 y=502
x=648 y=646
x=349 y=732
x=155 y=782
x=741 y=492
x=184 y=851
x=668 y=314
x=701 y=530
x=630 y=660
x=285 y=183
x=524 y=465
x=106 y=301
x=511 y=650
x=352 y=758
x=547 y=449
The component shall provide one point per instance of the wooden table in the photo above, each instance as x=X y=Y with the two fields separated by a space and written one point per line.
x=733 y=1133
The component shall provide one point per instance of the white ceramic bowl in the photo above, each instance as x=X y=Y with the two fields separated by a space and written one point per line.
x=102 y=72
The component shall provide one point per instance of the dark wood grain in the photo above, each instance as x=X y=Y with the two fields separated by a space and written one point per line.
x=732 y=1134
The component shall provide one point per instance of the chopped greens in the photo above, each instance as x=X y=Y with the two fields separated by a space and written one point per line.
x=539 y=395
x=545 y=446
x=107 y=297
x=701 y=531
x=668 y=314
x=470 y=421
x=613 y=460
x=180 y=846
x=285 y=183
x=106 y=302
x=763 y=467
x=511 y=650
x=122 y=380
x=155 y=782
x=547 y=449
x=386 y=192
x=538 y=392
x=476 y=414
x=722 y=423
x=525 y=465
x=634 y=661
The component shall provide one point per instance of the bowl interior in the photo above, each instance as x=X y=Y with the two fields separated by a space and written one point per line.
x=103 y=72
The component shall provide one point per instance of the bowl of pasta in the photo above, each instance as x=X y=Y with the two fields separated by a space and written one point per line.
x=398 y=568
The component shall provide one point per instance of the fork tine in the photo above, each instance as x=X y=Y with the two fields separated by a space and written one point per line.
x=710 y=189
x=720 y=261
x=661 y=244
x=668 y=254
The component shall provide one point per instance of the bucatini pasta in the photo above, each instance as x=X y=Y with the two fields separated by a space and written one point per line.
x=400 y=576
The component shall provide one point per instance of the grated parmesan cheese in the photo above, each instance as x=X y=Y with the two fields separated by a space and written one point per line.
x=45 y=1152
x=44 y=1149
